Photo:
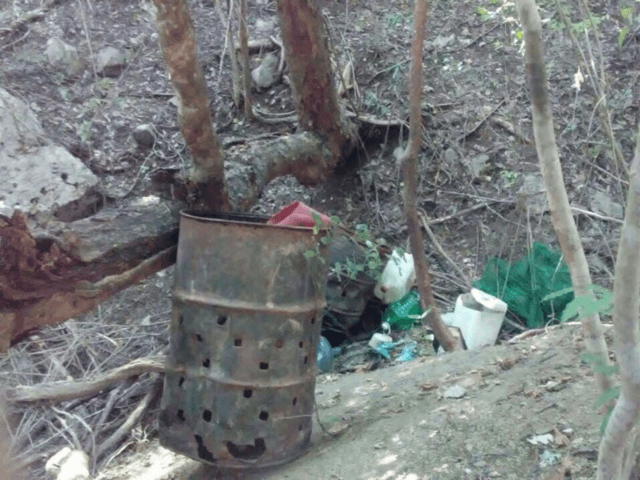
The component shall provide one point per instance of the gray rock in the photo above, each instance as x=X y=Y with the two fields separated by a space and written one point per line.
x=264 y=76
x=456 y=391
x=604 y=204
x=265 y=26
x=534 y=191
x=478 y=165
x=450 y=156
x=37 y=175
x=144 y=136
x=110 y=62
x=442 y=41
x=61 y=54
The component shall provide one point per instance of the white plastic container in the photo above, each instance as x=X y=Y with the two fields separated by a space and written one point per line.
x=479 y=317
x=397 y=278
x=379 y=338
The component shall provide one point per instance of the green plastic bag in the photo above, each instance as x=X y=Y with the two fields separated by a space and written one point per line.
x=397 y=314
x=524 y=284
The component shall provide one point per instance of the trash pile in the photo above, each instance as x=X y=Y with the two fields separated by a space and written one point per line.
x=476 y=320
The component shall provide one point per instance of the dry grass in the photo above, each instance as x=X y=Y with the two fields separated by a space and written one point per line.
x=129 y=326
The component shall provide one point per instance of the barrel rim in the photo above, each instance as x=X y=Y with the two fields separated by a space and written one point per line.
x=239 y=218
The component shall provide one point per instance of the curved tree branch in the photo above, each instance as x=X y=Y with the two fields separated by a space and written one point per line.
x=626 y=310
x=551 y=169
x=440 y=330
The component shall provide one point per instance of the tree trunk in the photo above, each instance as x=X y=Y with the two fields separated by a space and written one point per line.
x=244 y=51
x=7 y=466
x=177 y=39
x=440 y=330
x=226 y=21
x=307 y=53
x=626 y=294
x=561 y=215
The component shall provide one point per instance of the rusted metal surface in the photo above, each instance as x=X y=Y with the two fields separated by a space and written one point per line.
x=247 y=314
x=347 y=297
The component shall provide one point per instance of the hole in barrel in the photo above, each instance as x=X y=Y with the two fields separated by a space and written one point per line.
x=264 y=366
x=222 y=319
x=294 y=401
x=206 y=416
x=203 y=451
x=248 y=452
x=206 y=363
x=306 y=359
x=301 y=344
x=264 y=416
x=181 y=415
x=181 y=381
x=247 y=393
x=237 y=342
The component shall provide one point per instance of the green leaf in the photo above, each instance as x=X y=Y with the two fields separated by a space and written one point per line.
x=557 y=294
x=325 y=240
x=605 y=369
x=334 y=219
x=605 y=421
x=309 y=254
x=590 y=358
x=317 y=222
x=598 y=364
x=585 y=305
x=607 y=395
x=626 y=12
x=65 y=93
x=622 y=35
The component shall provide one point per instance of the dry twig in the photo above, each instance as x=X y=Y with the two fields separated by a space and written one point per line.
x=131 y=421
x=63 y=391
x=434 y=240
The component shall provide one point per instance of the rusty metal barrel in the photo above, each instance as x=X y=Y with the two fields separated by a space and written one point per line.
x=246 y=321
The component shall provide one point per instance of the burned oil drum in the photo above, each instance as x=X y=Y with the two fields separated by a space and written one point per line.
x=247 y=314
x=346 y=297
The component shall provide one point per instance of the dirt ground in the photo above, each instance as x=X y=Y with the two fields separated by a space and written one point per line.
x=478 y=153
x=396 y=423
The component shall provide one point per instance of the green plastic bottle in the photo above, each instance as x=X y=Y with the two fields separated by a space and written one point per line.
x=397 y=314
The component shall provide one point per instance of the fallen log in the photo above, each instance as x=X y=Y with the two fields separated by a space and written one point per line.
x=64 y=270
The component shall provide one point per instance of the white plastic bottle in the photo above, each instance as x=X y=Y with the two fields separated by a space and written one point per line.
x=397 y=278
